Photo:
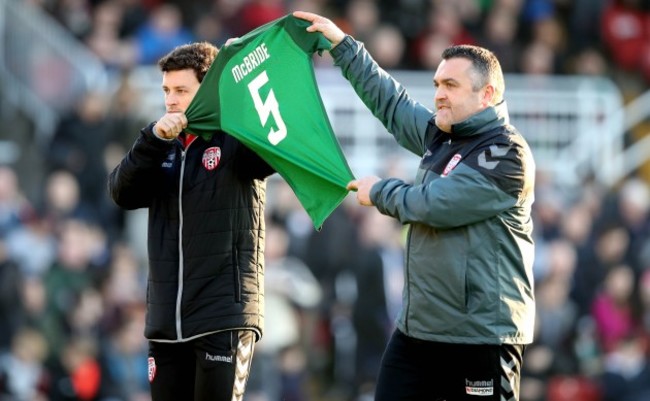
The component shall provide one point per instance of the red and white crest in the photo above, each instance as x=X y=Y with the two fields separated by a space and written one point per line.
x=152 y=368
x=452 y=164
x=211 y=157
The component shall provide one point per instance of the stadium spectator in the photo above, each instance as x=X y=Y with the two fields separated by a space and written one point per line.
x=163 y=31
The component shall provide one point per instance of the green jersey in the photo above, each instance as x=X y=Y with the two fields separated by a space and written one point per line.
x=262 y=90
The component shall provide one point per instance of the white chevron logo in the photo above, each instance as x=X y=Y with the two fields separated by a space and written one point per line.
x=495 y=151
x=508 y=379
x=245 y=348
x=507 y=366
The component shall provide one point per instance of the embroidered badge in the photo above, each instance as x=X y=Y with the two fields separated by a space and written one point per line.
x=452 y=164
x=211 y=157
x=152 y=368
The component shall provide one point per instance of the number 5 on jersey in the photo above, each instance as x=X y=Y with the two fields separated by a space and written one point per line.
x=268 y=107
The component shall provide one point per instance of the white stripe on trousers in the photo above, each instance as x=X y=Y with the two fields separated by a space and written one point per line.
x=245 y=347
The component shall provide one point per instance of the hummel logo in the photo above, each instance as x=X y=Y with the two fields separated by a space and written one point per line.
x=218 y=358
x=495 y=151
x=169 y=162
x=479 y=387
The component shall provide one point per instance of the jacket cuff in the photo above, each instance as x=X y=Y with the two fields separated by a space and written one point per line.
x=347 y=44
x=153 y=139
x=375 y=191
x=154 y=133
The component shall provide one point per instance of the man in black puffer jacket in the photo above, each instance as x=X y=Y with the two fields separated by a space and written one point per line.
x=205 y=292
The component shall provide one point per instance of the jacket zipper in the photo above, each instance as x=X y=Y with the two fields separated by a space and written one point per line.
x=407 y=280
x=181 y=264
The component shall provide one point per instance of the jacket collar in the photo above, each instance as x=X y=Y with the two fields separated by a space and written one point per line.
x=483 y=121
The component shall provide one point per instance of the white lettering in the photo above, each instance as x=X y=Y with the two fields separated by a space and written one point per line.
x=237 y=73
x=250 y=62
x=247 y=62
x=218 y=358
x=479 y=387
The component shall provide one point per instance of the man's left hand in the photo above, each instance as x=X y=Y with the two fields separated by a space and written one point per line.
x=362 y=187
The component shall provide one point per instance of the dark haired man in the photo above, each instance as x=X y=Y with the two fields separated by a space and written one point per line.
x=468 y=306
x=205 y=242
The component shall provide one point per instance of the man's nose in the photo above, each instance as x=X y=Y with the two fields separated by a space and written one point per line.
x=171 y=99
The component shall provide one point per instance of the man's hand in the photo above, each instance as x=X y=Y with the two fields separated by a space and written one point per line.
x=363 y=186
x=170 y=125
x=321 y=24
x=230 y=40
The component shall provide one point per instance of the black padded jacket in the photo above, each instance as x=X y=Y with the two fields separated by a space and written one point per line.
x=205 y=232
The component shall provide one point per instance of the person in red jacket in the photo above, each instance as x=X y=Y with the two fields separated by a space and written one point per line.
x=626 y=35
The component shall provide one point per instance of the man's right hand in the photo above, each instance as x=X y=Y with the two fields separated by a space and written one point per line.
x=321 y=24
x=170 y=125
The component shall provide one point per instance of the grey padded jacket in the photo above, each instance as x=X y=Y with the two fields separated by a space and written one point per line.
x=469 y=257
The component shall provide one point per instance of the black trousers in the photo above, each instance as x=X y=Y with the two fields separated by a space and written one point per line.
x=417 y=370
x=210 y=368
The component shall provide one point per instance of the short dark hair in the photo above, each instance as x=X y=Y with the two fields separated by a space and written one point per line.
x=485 y=64
x=197 y=56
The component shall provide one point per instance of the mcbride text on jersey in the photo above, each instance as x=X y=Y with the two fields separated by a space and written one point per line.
x=250 y=62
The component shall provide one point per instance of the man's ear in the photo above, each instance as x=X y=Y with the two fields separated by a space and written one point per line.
x=488 y=95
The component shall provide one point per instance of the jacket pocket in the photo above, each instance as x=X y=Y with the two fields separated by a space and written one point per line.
x=236 y=274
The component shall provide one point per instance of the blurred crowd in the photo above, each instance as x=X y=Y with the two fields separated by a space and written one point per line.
x=529 y=36
x=73 y=267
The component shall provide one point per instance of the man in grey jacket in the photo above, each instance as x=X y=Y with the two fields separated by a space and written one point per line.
x=468 y=305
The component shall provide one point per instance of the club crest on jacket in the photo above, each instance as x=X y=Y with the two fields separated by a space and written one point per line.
x=211 y=157
x=151 y=368
x=452 y=164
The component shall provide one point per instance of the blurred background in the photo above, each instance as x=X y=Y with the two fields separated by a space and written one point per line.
x=78 y=80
